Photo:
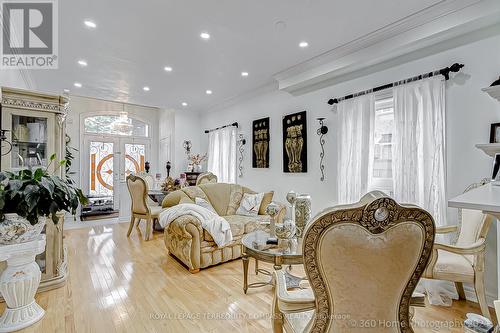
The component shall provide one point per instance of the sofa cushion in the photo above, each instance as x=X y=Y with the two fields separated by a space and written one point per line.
x=218 y=195
x=234 y=200
x=250 y=204
x=266 y=200
x=241 y=225
x=194 y=192
x=175 y=198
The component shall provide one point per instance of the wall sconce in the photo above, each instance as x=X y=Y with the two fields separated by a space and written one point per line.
x=241 y=148
x=187 y=146
x=322 y=130
x=6 y=145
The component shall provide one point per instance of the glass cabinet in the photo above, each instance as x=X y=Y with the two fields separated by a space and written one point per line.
x=29 y=141
x=35 y=125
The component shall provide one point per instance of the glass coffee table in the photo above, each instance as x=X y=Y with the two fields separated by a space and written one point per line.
x=286 y=253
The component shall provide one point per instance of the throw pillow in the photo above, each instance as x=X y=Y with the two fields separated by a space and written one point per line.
x=250 y=204
x=205 y=204
x=266 y=200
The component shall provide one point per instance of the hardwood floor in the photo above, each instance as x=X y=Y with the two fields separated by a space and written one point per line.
x=120 y=284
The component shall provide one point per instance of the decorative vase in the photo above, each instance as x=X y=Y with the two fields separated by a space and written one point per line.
x=285 y=230
x=302 y=213
x=272 y=210
x=16 y=229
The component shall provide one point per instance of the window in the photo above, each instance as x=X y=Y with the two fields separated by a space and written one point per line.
x=382 y=150
x=120 y=124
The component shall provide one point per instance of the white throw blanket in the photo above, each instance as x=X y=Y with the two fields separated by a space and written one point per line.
x=215 y=225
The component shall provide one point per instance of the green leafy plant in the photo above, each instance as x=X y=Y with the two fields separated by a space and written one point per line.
x=69 y=160
x=38 y=193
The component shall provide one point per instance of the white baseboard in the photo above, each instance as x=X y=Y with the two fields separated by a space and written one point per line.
x=470 y=295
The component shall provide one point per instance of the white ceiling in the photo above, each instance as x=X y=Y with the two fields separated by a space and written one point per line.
x=134 y=40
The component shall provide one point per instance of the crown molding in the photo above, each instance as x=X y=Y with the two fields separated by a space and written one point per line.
x=446 y=20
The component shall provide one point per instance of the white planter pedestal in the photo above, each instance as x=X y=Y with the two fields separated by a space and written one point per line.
x=19 y=283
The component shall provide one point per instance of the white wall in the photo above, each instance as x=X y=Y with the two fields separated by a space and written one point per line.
x=12 y=78
x=187 y=127
x=469 y=114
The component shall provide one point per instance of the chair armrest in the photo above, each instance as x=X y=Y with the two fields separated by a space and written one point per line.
x=447 y=229
x=474 y=248
x=295 y=301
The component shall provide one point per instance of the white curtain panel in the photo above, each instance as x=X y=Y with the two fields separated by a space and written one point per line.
x=222 y=154
x=355 y=119
x=419 y=169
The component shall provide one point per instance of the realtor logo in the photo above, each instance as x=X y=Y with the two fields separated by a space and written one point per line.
x=29 y=34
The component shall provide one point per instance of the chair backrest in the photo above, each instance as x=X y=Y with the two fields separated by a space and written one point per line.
x=148 y=178
x=206 y=178
x=473 y=224
x=138 y=189
x=363 y=262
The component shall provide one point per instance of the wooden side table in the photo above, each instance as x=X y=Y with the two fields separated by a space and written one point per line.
x=191 y=177
x=19 y=283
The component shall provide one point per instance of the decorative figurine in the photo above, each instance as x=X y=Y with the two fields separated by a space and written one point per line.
x=147 y=166
x=169 y=166
x=272 y=210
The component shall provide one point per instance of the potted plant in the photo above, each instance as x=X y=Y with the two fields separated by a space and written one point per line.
x=29 y=197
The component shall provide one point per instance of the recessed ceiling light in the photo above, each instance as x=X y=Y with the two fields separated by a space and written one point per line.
x=66 y=91
x=146 y=88
x=244 y=73
x=184 y=104
x=90 y=24
x=303 y=44
x=77 y=84
x=82 y=62
x=168 y=68
x=205 y=35
x=209 y=92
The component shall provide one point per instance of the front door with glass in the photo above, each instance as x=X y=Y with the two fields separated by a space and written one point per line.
x=110 y=161
x=114 y=147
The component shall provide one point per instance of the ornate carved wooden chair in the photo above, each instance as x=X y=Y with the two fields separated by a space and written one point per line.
x=206 y=178
x=363 y=262
x=462 y=261
x=138 y=189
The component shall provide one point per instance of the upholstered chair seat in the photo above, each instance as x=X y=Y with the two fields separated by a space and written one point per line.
x=454 y=265
x=463 y=260
x=363 y=262
x=140 y=210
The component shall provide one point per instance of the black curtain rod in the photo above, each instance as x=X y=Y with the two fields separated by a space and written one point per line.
x=443 y=71
x=235 y=124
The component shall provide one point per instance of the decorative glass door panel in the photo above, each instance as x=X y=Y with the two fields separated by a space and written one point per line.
x=101 y=180
x=135 y=158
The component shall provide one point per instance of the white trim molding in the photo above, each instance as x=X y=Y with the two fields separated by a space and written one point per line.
x=434 y=25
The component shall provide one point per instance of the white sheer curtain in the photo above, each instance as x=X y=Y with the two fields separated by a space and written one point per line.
x=419 y=146
x=418 y=155
x=222 y=154
x=355 y=119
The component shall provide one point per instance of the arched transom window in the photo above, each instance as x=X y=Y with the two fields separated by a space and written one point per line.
x=116 y=124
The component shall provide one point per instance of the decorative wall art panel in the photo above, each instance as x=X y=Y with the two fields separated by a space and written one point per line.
x=295 y=142
x=260 y=143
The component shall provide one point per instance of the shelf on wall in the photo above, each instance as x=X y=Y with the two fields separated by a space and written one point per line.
x=493 y=92
x=489 y=149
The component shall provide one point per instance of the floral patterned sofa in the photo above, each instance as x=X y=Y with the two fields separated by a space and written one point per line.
x=188 y=242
